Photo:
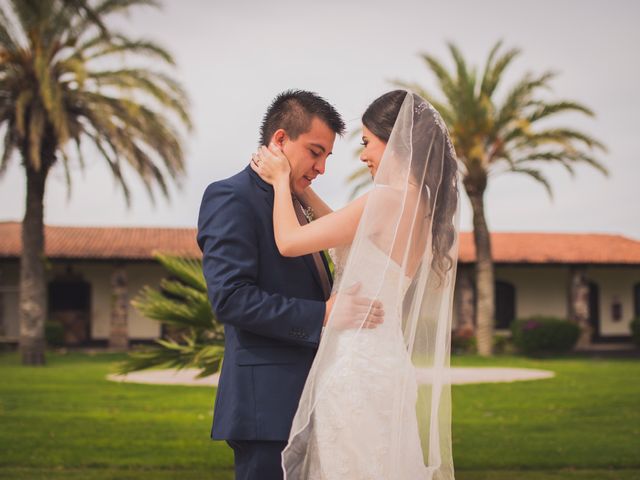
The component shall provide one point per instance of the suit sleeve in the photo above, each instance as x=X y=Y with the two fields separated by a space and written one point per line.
x=229 y=244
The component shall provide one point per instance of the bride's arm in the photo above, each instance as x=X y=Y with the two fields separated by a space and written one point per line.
x=311 y=199
x=331 y=230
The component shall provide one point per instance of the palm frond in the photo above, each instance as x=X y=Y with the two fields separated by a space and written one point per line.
x=562 y=136
x=494 y=70
x=67 y=172
x=93 y=16
x=447 y=83
x=10 y=37
x=520 y=97
x=134 y=116
x=120 y=43
x=537 y=176
x=188 y=271
x=182 y=301
x=487 y=134
x=544 y=110
x=170 y=354
x=464 y=77
x=362 y=179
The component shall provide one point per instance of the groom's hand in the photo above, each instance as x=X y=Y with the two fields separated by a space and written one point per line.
x=352 y=311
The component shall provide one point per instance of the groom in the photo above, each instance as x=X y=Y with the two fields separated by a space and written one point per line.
x=273 y=308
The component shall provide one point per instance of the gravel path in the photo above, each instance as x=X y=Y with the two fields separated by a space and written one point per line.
x=459 y=376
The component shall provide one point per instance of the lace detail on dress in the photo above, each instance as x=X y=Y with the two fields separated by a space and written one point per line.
x=339 y=257
x=356 y=416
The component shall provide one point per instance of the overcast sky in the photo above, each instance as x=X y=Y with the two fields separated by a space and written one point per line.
x=234 y=57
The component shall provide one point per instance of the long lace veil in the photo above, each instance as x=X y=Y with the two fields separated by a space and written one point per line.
x=411 y=217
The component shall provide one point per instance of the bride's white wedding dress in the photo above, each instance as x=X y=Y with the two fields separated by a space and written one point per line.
x=368 y=395
x=361 y=415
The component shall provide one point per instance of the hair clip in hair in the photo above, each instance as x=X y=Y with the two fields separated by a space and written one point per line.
x=420 y=108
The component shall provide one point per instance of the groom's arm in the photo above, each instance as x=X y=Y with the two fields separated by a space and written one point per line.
x=229 y=244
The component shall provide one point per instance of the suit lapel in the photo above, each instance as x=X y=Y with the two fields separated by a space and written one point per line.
x=266 y=190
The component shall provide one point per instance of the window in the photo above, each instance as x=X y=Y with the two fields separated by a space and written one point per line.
x=69 y=295
x=70 y=306
x=505 y=301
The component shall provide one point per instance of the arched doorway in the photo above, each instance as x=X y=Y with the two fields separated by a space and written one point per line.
x=70 y=305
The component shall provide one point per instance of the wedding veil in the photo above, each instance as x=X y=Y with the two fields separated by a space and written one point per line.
x=411 y=217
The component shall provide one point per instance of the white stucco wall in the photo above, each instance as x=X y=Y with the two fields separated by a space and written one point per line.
x=139 y=276
x=539 y=290
x=544 y=290
x=99 y=276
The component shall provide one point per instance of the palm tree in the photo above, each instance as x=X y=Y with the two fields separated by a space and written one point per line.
x=181 y=302
x=495 y=135
x=63 y=82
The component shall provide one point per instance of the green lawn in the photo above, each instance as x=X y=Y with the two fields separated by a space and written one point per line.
x=65 y=421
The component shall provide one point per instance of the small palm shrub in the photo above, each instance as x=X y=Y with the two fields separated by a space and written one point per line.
x=182 y=303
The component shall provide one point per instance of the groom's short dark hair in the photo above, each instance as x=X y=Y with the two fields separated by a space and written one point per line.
x=293 y=111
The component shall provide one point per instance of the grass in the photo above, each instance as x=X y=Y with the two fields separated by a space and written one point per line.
x=67 y=416
x=65 y=421
x=587 y=416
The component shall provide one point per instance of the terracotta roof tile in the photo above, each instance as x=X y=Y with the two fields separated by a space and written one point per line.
x=529 y=247
x=139 y=243
x=103 y=242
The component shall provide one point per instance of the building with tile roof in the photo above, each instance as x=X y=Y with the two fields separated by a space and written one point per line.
x=556 y=274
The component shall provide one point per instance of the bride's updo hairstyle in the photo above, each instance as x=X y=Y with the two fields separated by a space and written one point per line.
x=379 y=118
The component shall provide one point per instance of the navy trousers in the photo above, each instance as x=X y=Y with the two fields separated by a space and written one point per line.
x=256 y=460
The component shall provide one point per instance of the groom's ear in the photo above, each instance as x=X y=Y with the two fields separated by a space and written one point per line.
x=279 y=137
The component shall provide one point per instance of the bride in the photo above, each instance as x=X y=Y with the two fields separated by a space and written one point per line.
x=376 y=404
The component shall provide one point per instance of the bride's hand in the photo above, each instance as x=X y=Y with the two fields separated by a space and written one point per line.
x=271 y=164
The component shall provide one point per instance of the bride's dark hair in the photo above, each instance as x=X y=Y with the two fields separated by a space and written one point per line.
x=379 y=118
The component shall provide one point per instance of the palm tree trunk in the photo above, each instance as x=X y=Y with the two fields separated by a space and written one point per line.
x=32 y=271
x=465 y=303
x=485 y=307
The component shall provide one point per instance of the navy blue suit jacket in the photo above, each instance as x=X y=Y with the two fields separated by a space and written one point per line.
x=272 y=309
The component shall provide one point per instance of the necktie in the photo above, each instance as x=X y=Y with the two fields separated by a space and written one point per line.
x=317 y=260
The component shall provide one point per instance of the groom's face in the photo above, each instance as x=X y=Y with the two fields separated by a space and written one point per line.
x=307 y=154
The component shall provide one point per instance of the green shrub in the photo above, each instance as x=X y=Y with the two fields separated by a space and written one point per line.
x=544 y=335
x=635 y=331
x=54 y=334
x=463 y=341
x=502 y=344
